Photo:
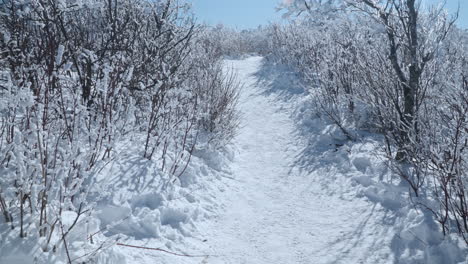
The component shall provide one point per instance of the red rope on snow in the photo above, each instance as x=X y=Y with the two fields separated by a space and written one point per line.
x=163 y=250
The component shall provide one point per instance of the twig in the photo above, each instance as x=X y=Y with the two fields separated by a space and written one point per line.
x=163 y=250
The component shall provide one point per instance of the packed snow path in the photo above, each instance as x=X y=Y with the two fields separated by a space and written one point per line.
x=273 y=214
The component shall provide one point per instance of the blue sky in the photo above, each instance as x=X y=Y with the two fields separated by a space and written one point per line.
x=452 y=6
x=236 y=13
x=243 y=14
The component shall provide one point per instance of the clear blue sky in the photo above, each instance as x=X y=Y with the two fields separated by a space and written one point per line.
x=237 y=13
x=243 y=14
x=452 y=6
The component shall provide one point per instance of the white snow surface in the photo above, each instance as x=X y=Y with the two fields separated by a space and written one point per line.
x=296 y=192
x=275 y=212
x=289 y=190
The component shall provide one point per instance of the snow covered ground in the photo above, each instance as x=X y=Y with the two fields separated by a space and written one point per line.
x=275 y=212
x=296 y=192
x=292 y=191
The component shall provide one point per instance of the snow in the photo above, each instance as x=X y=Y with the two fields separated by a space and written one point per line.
x=294 y=191
x=302 y=194
x=58 y=58
x=276 y=213
x=269 y=207
x=290 y=189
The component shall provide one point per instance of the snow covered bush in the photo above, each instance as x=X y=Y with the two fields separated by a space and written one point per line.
x=326 y=55
x=218 y=94
x=78 y=77
x=233 y=43
x=394 y=68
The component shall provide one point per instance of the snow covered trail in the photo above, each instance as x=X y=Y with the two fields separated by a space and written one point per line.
x=276 y=214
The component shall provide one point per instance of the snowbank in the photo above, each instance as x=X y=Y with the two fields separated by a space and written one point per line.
x=357 y=169
x=136 y=204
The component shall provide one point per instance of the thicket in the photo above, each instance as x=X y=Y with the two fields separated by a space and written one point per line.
x=397 y=69
x=79 y=77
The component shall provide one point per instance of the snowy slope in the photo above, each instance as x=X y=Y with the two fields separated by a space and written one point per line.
x=143 y=211
x=293 y=190
x=278 y=213
x=303 y=194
